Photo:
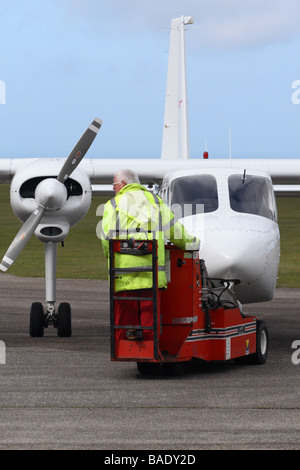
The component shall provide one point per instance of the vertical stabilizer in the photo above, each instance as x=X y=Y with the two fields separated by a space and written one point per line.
x=175 y=142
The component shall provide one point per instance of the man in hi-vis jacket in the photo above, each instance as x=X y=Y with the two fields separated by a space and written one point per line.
x=141 y=215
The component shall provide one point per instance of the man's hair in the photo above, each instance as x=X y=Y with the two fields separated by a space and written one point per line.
x=128 y=176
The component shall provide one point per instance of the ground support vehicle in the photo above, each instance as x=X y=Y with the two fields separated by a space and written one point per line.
x=200 y=317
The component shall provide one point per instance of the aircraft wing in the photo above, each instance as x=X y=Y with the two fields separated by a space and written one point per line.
x=285 y=173
x=287 y=189
x=101 y=171
x=9 y=166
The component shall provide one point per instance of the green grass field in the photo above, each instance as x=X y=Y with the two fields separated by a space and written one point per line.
x=289 y=225
x=82 y=255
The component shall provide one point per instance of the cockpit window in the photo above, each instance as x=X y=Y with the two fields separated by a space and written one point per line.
x=252 y=195
x=195 y=194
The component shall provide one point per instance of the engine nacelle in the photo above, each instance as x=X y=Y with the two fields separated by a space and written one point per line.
x=52 y=231
x=66 y=204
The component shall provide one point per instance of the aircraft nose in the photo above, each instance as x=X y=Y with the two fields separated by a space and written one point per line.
x=233 y=254
x=244 y=247
x=249 y=255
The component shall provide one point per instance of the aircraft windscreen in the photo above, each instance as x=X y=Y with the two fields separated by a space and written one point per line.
x=198 y=193
x=252 y=195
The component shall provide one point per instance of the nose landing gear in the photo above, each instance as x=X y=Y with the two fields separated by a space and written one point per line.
x=62 y=320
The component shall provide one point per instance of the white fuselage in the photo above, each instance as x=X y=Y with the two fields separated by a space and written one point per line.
x=236 y=245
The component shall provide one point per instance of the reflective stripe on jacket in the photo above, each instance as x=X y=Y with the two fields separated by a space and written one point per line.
x=136 y=213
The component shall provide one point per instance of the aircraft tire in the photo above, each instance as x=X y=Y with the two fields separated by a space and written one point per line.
x=36 y=328
x=64 y=329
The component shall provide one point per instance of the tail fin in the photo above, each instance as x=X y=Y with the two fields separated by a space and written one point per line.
x=175 y=142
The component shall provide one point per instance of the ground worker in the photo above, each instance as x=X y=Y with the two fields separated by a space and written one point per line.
x=136 y=213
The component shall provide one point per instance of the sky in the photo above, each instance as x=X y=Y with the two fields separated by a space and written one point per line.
x=65 y=62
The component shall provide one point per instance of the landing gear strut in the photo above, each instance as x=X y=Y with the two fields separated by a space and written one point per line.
x=60 y=319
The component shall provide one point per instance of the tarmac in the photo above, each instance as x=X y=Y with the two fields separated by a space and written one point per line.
x=66 y=393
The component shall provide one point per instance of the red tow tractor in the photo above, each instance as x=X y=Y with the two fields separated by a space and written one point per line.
x=200 y=317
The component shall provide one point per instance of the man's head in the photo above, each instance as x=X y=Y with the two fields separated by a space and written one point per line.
x=124 y=177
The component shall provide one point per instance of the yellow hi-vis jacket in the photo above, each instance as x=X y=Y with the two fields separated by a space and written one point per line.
x=136 y=213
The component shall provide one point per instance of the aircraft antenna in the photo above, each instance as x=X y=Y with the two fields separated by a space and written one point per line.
x=244 y=176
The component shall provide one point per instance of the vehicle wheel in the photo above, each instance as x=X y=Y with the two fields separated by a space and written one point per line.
x=174 y=368
x=262 y=346
x=36 y=327
x=148 y=368
x=262 y=343
x=64 y=329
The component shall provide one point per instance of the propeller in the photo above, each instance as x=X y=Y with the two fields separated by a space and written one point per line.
x=26 y=231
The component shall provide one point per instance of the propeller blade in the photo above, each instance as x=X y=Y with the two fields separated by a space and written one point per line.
x=79 y=150
x=22 y=238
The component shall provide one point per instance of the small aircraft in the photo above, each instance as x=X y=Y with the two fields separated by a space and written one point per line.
x=229 y=204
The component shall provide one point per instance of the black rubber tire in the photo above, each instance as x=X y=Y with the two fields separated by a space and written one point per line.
x=174 y=368
x=262 y=343
x=148 y=368
x=36 y=327
x=64 y=328
x=262 y=346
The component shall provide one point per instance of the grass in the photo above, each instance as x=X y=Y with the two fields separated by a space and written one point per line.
x=289 y=225
x=82 y=256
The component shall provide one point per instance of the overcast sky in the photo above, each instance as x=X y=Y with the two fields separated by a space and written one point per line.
x=64 y=62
